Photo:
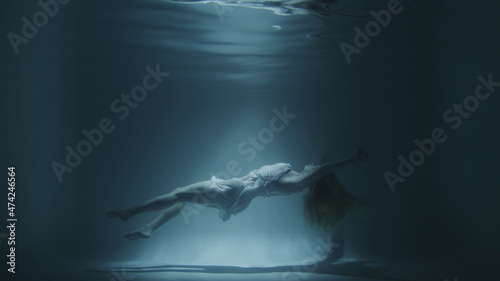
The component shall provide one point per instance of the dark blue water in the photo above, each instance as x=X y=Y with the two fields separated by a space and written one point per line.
x=227 y=70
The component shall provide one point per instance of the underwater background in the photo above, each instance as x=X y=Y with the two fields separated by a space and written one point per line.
x=227 y=70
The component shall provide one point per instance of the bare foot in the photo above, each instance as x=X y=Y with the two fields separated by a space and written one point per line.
x=143 y=232
x=124 y=215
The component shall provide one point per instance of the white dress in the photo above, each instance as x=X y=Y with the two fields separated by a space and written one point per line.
x=234 y=195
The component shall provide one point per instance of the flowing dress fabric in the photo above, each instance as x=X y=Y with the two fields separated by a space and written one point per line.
x=234 y=195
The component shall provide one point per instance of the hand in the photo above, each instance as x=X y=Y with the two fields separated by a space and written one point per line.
x=363 y=155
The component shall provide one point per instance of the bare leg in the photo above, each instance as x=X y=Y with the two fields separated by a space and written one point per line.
x=179 y=195
x=165 y=216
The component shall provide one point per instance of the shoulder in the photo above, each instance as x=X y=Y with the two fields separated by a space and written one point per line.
x=278 y=168
x=274 y=172
x=291 y=182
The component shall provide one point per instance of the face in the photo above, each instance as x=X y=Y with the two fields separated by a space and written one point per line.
x=311 y=167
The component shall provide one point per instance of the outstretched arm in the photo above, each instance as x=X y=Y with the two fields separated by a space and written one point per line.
x=303 y=180
x=331 y=167
x=361 y=156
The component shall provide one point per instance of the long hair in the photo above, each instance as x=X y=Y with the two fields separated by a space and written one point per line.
x=328 y=202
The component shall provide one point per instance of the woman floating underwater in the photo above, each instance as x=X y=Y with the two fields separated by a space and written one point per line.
x=326 y=203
